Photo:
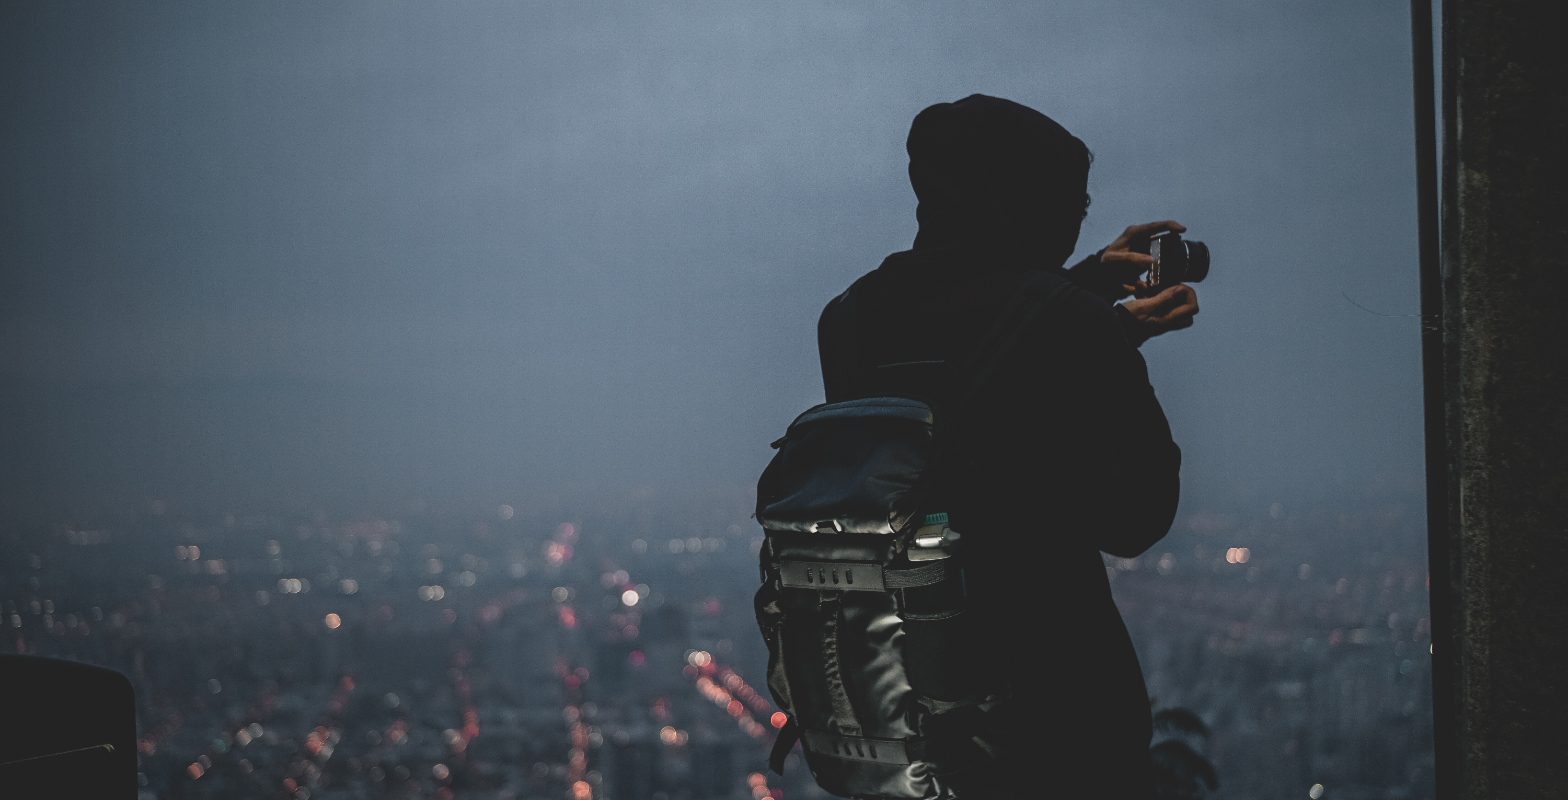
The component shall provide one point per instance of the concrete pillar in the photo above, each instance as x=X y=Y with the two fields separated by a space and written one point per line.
x=1505 y=373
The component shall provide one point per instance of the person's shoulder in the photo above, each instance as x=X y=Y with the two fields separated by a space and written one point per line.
x=841 y=307
x=872 y=283
x=844 y=299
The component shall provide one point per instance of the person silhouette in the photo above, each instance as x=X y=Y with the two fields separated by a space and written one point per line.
x=1064 y=453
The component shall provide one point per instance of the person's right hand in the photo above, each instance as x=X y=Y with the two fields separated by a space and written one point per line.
x=1171 y=309
x=1128 y=256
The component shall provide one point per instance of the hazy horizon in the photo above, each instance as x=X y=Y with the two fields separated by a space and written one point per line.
x=358 y=254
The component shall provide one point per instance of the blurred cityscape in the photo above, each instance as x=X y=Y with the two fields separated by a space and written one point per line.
x=610 y=652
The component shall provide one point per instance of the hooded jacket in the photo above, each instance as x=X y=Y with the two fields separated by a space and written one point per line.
x=1064 y=454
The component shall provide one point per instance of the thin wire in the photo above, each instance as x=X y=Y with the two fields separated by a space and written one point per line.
x=107 y=747
x=1370 y=311
x=1429 y=322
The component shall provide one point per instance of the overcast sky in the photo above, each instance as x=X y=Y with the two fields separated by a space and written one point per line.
x=356 y=253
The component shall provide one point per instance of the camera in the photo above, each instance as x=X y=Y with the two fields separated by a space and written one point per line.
x=1176 y=261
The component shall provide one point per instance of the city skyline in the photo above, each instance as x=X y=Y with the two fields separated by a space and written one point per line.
x=331 y=652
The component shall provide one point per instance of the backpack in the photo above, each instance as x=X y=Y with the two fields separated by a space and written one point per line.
x=863 y=597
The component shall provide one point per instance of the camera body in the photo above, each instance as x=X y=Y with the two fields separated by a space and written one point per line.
x=1176 y=261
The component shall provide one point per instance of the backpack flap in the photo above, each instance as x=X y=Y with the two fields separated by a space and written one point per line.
x=846 y=468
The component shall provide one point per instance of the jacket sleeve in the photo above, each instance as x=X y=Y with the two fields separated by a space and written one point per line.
x=1130 y=487
x=1087 y=275
x=1105 y=463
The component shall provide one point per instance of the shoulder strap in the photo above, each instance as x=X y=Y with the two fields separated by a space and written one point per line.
x=872 y=377
x=1036 y=295
x=1033 y=297
x=785 y=741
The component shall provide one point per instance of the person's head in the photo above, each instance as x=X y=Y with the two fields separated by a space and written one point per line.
x=997 y=176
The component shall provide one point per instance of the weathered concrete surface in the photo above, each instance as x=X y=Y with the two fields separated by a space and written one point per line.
x=1505 y=269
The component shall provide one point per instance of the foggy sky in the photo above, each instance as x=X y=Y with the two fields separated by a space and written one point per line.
x=358 y=253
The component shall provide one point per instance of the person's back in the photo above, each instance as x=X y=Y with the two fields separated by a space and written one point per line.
x=1064 y=451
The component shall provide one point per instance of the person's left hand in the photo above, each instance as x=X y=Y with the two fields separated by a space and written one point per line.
x=1171 y=309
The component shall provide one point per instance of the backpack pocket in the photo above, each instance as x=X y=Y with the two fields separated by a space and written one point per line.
x=938 y=637
x=939 y=654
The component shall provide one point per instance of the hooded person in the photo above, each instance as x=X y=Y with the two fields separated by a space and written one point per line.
x=1063 y=453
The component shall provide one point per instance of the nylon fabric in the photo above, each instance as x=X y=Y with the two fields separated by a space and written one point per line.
x=855 y=467
x=811 y=546
x=925 y=575
x=871 y=644
x=832 y=665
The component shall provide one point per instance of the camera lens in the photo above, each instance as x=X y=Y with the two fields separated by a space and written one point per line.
x=1197 y=261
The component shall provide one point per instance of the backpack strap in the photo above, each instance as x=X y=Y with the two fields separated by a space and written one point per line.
x=832 y=667
x=788 y=735
x=1035 y=296
x=925 y=575
x=897 y=752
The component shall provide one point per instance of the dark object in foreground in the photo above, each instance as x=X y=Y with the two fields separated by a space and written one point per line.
x=1176 y=261
x=66 y=730
x=1181 y=772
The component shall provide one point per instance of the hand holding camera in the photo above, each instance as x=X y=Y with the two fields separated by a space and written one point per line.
x=1172 y=309
x=1153 y=264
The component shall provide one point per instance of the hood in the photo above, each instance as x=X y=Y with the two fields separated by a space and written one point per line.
x=998 y=177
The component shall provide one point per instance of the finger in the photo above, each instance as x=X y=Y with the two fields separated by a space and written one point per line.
x=1185 y=311
x=1180 y=292
x=1124 y=272
x=1150 y=228
x=1168 y=314
x=1171 y=318
x=1169 y=297
x=1127 y=256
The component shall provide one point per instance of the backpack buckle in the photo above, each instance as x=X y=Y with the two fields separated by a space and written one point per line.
x=827 y=523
